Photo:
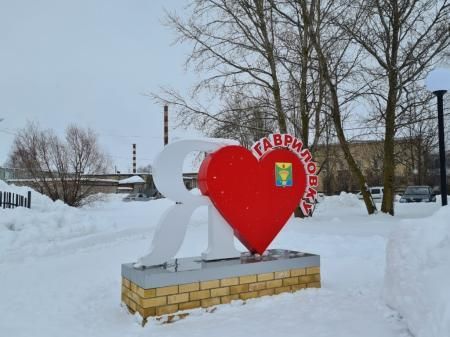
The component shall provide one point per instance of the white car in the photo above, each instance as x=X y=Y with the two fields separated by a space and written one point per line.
x=137 y=197
x=376 y=191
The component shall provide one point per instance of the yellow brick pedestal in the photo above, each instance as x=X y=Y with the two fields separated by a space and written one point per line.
x=171 y=299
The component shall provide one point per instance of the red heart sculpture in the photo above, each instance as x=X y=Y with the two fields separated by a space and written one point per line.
x=245 y=191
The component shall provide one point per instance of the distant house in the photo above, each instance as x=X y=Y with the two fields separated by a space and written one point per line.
x=143 y=182
x=132 y=184
x=112 y=182
x=102 y=183
x=129 y=183
x=93 y=184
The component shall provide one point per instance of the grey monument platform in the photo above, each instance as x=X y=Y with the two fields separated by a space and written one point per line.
x=194 y=269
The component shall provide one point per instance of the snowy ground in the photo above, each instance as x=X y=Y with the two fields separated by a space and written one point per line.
x=60 y=273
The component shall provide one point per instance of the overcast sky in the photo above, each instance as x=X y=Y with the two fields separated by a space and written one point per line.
x=88 y=62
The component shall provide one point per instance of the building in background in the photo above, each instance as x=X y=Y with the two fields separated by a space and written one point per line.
x=6 y=173
x=102 y=183
x=434 y=173
x=414 y=165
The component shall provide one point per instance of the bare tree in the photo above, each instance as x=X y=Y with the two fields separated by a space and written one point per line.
x=418 y=131
x=145 y=169
x=306 y=90
x=252 y=50
x=283 y=59
x=293 y=65
x=401 y=39
x=234 y=45
x=336 y=59
x=58 y=168
x=246 y=121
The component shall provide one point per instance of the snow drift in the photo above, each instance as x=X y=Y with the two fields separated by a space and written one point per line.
x=45 y=221
x=418 y=272
x=50 y=223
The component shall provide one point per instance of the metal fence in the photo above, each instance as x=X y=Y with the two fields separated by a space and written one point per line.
x=13 y=200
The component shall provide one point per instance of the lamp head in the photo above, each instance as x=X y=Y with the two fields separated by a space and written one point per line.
x=438 y=80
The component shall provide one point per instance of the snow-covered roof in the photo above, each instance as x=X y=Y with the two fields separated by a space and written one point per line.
x=132 y=180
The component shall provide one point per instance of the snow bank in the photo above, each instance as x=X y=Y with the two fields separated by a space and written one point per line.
x=343 y=200
x=418 y=272
x=38 y=201
x=45 y=221
x=340 y=204
x=50 y=223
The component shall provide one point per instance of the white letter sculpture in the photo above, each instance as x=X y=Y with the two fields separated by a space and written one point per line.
x=171 y=229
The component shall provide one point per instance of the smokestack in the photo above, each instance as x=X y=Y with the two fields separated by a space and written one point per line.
x=134 y=158
x=166 y=125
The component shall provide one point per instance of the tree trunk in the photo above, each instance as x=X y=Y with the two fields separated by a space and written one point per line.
x=354 y=169
x=303 y=100
x=269 y=48
x=335 y=110
x=387 y=205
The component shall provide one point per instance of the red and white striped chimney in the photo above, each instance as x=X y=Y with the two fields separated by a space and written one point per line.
x=166 y=125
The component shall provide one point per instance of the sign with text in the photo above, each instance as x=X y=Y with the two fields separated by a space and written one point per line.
x=249 y=193
x=257 y=194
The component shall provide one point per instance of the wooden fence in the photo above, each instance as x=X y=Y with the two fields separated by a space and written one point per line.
x=13 y=200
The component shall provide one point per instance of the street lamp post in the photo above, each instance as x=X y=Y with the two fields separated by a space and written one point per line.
x=438 y=81
x=443 y=167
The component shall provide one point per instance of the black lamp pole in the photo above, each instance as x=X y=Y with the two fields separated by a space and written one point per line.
x=443 y=168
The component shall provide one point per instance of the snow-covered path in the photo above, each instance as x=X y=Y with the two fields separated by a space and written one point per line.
x=78 y=295
x=72 y=287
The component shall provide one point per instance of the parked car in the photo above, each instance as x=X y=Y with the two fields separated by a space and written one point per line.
x=137 y=197
x=376 y=191
x=418 y=194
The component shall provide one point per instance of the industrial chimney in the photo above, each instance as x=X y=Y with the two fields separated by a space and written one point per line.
x=166 y=125
x=134 y=158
